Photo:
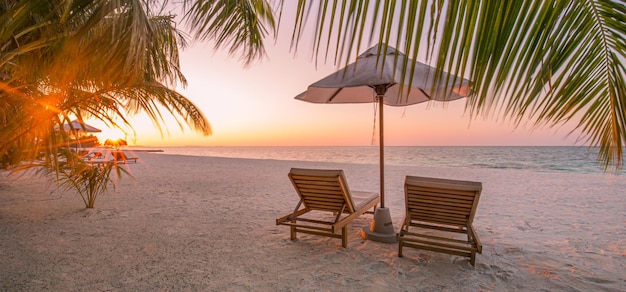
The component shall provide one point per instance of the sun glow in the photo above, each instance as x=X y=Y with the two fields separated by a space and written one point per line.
x=255 y=106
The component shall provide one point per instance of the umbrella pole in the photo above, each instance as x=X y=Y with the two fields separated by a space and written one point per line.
x=381 y=229
x=381 y=149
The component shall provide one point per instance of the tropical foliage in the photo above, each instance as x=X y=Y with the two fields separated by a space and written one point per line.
x=89 y=179
x=105 y=60
x=550 y=62
x=102 y=59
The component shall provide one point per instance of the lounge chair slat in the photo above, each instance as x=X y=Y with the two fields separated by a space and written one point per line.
x=435 y=200
x=320 y=187
x=439 y=238
x=429 y=208
x=440 y=220
x=447 y=228
x=451 y=244
x=314 y=178
x=430 y=205
x=318 y=184
x=323 y=196
x=337 y=193
x=460 y=195
x=314 y=205
x=417 y=214
x=463 y=209
x=310 y=202
x=441 y=199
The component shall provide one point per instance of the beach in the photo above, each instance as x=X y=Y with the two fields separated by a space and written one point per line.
x=208 y=224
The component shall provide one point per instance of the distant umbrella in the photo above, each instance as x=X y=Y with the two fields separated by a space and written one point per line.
x=75 y=127
x=78 y=126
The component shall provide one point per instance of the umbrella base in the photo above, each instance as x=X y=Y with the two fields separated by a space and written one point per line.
x=382 y=229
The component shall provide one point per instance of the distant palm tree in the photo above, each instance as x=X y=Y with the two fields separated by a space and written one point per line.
x=550 y=61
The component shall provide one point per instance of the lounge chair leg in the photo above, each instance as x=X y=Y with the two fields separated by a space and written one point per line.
x=293 y=233
x=344 y=236
x=473 y=259
x=399 y=248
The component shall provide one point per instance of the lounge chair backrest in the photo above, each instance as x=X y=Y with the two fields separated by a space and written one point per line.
x=321 y=189
x=441 y=201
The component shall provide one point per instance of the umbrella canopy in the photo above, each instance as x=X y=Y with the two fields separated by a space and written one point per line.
x=377 y=76
x=380 y=74
x=79 y=126
x=75 y=127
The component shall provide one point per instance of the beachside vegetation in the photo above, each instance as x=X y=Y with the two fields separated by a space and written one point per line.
x=88 y=179
x=108 y=60
x=548 y=62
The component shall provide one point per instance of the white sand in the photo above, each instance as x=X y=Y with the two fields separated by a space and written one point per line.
x=200 y=223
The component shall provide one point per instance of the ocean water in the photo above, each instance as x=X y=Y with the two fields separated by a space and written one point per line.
x=574 y=159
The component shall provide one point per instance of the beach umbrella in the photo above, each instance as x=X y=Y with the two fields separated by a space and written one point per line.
x=77 y=126
x=377 y=77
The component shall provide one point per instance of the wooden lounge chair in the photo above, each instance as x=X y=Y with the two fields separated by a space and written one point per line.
x=322 y=191
x=93 y=155
x=437 y=211
x=121 y=156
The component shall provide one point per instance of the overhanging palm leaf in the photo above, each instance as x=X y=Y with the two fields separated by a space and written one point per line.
x=236 y=24
x=550 y=61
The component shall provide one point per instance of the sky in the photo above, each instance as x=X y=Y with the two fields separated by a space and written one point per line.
x=255 y=106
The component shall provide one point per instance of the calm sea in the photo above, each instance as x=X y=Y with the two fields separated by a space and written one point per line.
x=533 y=158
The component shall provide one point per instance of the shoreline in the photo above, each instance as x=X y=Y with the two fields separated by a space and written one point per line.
x=208 y=223
x=547 y=159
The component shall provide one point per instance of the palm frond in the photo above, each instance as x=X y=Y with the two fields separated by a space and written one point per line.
x=240 y=25
x=78 y=58
x=552 y=62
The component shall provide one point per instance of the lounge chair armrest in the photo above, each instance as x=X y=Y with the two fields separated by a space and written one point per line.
x=361 y=198
x=363 y=207
x=291 y=216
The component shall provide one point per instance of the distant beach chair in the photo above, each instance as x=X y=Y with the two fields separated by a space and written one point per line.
x=92 y=155
x=121 y=156
x=438 y=210
x=323 y=191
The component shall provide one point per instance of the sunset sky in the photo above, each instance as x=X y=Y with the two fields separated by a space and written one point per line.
x=255 y=106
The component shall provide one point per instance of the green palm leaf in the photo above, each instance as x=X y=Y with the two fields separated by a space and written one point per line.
x=552 y=62
x=239 y=25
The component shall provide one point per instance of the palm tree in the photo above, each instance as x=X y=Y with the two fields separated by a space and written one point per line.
x=106 y=60
x=551 y=62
